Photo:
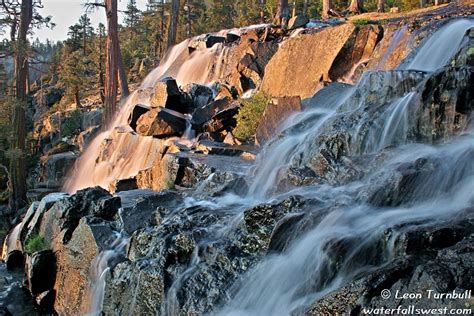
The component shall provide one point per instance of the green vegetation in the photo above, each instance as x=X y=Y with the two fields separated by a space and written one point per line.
x=71 y=124
x=35 y=243
x=362 y=21
x=249 y=116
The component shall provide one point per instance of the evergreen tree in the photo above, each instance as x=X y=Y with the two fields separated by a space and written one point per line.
x=132 y=15
x=86 y=31
x=75 y=74
x=221 y=15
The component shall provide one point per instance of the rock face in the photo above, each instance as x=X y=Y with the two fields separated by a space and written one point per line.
x=363 y=205
x=161 y=123
x=290 y=73
x=54 y=168
x=274 y=115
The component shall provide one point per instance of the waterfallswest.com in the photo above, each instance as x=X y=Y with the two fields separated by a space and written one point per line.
x=464 y=298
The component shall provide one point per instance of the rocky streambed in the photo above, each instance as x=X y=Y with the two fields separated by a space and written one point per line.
x=365 y=187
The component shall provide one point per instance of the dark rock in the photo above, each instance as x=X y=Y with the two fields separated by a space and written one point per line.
x=41 y=271
x=274 y=115
x=358 y=48
x=215 y=116
x=93 y=201
x=140 y=207
x=138 y=110
x=297 y=21
x=200 y=95
x=161 y=123
x=45 y=302
x=15 y=260
x=211 y=40
x=91 y=119
x=54 y=168
x=447 y=100
x=232 y=37
x=124 y=185
x=168 y=95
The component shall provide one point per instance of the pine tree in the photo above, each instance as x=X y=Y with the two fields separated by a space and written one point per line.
x=132 y=15
x=86 y=31
x=75 y=74
x=221 y=15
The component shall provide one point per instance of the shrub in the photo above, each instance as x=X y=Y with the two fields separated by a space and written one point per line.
x=250 y=115
x=71 y=124
x=35 y=243
x=362 y=22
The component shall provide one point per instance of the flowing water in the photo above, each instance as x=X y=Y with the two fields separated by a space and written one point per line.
x=99 y=269
x=440 y=47
x=284 y=283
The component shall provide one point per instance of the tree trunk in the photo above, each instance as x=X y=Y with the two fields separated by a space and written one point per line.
x=17 y=161
x=77 y=99
x=173 y=23
x=122 y=73
x=356 y=6
x=422 y=3
x=305 y=8
x=111 y=65
x=380 y=6
x=283 y=13
x=101 y=71
x=327 y=7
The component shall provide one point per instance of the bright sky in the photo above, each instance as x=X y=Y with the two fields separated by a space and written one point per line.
x=67 y=12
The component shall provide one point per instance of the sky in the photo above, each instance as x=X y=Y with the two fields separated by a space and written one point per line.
x=67 y=12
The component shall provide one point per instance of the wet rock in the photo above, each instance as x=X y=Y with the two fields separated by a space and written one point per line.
x=297 y=21
x=144 y=282
x=54 y=168
x=212 y=40
x=423 y=270
x=161 y=123
x=138 y=110
x=140 y=207
x=91 y=119
x=15 y=260
x=215 y=116
x=168 y=95
x=447 y=101
x=200 y=95
x=41 y=272
x=274 y=115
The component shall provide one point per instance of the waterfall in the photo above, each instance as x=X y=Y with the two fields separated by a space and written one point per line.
x=99 y=269
x=441 y=46
x=283 y=283
x=306 y=269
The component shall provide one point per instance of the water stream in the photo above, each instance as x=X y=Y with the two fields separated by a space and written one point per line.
x=284 y=283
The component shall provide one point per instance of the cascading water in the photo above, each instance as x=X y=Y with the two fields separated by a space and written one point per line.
x=99 y=269
x=126 y=152
x=306 y=269
x=440 y=47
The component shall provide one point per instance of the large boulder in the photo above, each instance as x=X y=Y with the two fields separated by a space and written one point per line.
x=54 y=168
x=274 y=115
x=161 y=123
x=215 y=116
x=41 y=272
x=168 y=95
x=301 y=63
